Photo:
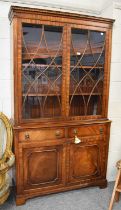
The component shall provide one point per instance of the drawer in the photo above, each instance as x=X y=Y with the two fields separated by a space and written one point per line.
x=87 y=130
x=41 y=134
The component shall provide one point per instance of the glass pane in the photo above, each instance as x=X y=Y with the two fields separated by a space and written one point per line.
x=86 y=72
x=41 y=71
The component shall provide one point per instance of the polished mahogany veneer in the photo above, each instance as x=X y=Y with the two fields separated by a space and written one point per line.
x=61 y=88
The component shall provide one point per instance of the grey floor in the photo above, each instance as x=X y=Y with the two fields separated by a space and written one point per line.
x=83 y=199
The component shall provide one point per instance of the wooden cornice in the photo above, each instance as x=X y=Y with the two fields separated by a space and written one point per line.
x=16 y=11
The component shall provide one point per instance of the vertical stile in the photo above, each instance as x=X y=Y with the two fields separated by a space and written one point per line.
x=106 y=72
x=19 y=58
x=64 y=72
x=68 y=41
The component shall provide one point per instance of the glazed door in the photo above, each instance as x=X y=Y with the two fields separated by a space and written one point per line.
x=86 y=160
x=43 y=81
x=62 y=71
x=42 y=165
x=87 y=61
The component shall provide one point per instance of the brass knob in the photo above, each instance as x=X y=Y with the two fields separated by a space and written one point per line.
x=27 y=136
x=77 y=140
x=57 y=133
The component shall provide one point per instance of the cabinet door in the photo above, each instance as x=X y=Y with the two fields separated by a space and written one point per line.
x=42 y=165
x=42 y=80
x=86 y=160
x=87 y=59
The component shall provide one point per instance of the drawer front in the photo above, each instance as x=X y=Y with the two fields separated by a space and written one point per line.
x=87 y=130
x=41 y=134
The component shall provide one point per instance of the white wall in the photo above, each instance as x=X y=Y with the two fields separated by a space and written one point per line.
x=111 y=11
x=5 y=74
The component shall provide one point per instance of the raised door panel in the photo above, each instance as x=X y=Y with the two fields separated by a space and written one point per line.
x=86 y=160
x=43 y=166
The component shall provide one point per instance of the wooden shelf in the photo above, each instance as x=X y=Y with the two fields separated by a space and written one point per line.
x=88 y=67
x=86 y=94
x=53 y=94
x=41 y=94
x=41 y=65
x=60 y=66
